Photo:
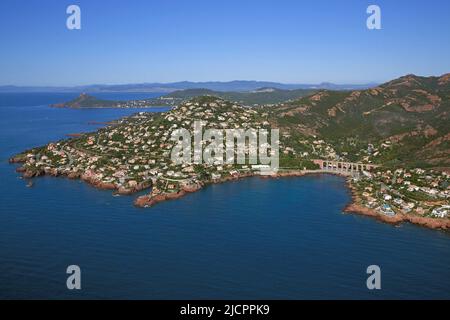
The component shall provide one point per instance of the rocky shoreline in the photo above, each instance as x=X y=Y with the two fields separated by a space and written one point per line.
x=356 y=207
x=89 y=177
x=149 y=200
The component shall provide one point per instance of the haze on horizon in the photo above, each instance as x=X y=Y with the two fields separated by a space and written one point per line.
x=283 y=41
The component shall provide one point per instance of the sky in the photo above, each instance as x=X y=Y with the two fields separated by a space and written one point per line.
x=294 y=41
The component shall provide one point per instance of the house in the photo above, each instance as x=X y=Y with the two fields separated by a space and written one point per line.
x=441 y=212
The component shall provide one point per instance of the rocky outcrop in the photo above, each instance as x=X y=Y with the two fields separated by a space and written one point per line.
x=150 y=200
x=74 y=175
x=17 y=159
x=362 y=210
x=27 y=173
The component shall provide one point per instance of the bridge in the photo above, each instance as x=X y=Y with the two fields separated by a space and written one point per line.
x=350 y=168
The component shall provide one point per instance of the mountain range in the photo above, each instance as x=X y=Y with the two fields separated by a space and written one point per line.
x=236 y=86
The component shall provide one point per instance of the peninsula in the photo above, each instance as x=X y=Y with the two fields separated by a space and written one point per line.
x=391 y=142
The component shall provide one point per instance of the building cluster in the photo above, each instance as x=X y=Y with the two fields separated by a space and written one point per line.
x=145 y=103
x=136 y=150
x=410 y=191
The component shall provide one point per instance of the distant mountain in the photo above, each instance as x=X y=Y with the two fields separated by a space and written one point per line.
x=234 y=86
x=258 y=97
x=408 y=116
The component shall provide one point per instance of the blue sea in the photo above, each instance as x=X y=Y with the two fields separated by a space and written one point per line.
x=252 y=239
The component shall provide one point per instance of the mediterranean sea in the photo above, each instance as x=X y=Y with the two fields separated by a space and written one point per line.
x=251 y=239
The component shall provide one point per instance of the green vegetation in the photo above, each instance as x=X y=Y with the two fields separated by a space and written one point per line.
x=411 y=114
x=403 y=126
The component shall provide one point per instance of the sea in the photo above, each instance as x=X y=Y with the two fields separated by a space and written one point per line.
x=252 y=239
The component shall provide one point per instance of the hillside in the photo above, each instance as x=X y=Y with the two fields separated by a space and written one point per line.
x=402 y=122
x=408 y=118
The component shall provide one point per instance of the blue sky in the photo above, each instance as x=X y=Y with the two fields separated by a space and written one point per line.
x=166 y=40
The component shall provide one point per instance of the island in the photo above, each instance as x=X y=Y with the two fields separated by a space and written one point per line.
x=391 y=142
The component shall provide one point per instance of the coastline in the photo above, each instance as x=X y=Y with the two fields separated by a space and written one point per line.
x=149 y=200
x=88 y=177
x=354 y=207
